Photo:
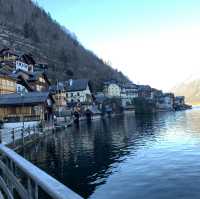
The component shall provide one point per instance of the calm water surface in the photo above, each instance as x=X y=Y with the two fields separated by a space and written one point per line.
x=154 y=157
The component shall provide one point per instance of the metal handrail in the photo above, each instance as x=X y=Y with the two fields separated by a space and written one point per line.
x=47 y=183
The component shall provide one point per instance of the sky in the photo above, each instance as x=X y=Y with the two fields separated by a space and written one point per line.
x=155 y=42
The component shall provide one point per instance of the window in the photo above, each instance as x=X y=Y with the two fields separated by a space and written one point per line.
x=78 y=94
x=71 y=94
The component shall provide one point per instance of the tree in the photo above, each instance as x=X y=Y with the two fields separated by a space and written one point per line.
x=30 y=32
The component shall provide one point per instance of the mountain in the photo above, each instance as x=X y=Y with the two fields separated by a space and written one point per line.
x=27 y=28
x=190 y=88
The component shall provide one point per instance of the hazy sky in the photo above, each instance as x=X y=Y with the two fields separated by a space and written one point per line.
x=154 y=42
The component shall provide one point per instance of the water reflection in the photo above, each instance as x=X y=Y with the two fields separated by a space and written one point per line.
x=126 y=157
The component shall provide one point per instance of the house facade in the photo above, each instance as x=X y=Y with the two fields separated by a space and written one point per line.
x=130 y=90
x=179 y=100
x=112 y=89
x=33 y=106
x=7 y=84
x=32 y=81
x=166 y=102
x=144 y=91
x=58 y=93
x=7 y=55
x=79 y=91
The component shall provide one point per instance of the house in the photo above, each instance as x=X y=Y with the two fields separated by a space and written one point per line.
x=129 y=90
x=28 y=59
x=156 y=94
x=32 y=81
x=33 y=106
x=144 y=91
x=112 y=89
x=99 y=100
x=7 y=83
x=179 y=103
x=58 y=93
x=40 y=67
x=7 y=67
x=21 y=65
x=179 y=100
x=166 y=102
x=7 y=55
x=24 y=62
x=79 y=91
x=39 y=81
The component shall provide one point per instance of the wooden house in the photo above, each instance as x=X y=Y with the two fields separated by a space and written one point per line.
x=7 y=55
x=39 y=81
x=58 y=93
x=32 y=81
x=7 y=84
x=33 y=106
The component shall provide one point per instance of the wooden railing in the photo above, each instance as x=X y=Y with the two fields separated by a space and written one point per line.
x=20 y=135
x=21 y=118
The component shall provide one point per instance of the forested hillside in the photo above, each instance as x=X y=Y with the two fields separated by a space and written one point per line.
x=29 y=29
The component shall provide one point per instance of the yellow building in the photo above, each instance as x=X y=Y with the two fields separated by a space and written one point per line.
x=7 y=55
x=7 y=84
x=32 y=106
x=59 y=95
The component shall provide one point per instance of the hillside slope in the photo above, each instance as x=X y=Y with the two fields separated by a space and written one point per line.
x=29 y=29
x=190 y=88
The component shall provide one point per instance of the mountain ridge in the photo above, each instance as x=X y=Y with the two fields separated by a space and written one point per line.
x=27 y=28
x=190 y=88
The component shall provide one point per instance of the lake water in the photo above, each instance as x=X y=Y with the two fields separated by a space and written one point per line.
x=126 y=157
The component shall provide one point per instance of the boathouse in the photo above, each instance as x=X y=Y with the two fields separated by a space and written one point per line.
x=32 y=106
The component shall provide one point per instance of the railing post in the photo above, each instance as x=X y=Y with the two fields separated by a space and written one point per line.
x=22 y=134
x=12 y=170
x=29 y=131
x=10 y=181
x=13 y=135
x=36 y=191
x=1 y=131
x=35 y=129
x=29 y=189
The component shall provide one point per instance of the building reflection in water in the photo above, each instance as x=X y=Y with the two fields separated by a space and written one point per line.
x=84 y=157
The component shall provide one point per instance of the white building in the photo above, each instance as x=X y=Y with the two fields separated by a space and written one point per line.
x=166 y=102
x=131 y=90
x=79 y=91
x=112 y=89
x=21 y=65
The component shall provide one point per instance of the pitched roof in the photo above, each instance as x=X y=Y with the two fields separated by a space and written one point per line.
x=77 y=85
x=112 y=81
x=32 y=98
x=9 y=76
x=129 y=86
x=28 y=58
x=57 y=87
x=5 y=51
x=33 y=76
x=144 y=88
